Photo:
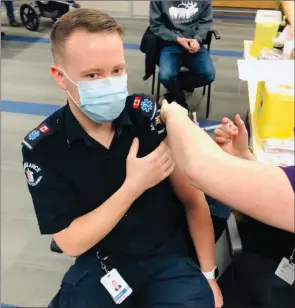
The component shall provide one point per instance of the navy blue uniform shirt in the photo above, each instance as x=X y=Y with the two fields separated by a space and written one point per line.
x=69 y=174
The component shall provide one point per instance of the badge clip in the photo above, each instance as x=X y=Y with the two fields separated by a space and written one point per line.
x=102 y=264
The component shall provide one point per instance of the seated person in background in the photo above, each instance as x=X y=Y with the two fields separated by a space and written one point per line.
x=182 y=26
x=264 y=246
x=10 y=13
x=99 y=182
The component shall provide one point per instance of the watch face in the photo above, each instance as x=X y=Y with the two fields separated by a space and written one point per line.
x=216 y=272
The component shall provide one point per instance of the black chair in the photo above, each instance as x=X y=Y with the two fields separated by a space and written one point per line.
x=185 y=70
x=54 y=247
x=233 y=238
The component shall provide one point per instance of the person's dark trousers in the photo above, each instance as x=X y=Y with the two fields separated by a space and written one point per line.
x=10 y=13
x=172 y=58
x=158 y=282
x=9 y=10
x=251 y=282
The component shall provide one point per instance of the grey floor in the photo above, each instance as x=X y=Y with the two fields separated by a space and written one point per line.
x=30 y=273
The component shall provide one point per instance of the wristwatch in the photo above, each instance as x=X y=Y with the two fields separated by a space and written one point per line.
x=213 y=274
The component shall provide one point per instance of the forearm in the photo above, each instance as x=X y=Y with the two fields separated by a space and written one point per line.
x=259 y=191
x=187 y=141
x=288 y=7
x=202 y=233
x=162 y=32
x=201 y=33
x=88 y=230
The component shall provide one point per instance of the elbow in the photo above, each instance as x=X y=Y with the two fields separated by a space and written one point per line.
x=72 y=252
x=69 y=249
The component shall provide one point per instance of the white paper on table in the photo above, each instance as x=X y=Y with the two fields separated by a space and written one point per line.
x=280 y=71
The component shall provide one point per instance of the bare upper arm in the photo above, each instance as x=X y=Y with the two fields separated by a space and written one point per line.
x=186 y=193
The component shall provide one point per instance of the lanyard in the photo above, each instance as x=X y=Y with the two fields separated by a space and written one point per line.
x=102 y=264
x=292 y=257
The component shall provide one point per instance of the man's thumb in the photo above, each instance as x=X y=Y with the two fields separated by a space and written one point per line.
x=134 y=148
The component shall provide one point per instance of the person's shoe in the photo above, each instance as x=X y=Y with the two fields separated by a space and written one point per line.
x=13 y=23
x=2 y=33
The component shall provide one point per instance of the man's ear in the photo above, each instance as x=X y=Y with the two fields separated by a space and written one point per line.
x=58 y=76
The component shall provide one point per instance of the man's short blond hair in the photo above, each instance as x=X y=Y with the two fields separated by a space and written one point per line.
x=90 y=20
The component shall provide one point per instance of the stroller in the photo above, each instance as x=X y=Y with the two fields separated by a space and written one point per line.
x=30 y=13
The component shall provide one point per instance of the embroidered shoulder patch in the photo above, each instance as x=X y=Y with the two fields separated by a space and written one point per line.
x=33 y=173
x=36 y=135
x=141 y=106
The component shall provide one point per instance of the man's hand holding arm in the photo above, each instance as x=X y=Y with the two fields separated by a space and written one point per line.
x=59 y=212
x=200 y=226
x=142 y=174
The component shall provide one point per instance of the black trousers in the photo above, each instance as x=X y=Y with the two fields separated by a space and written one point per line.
x=165 y=281
x=251 y=282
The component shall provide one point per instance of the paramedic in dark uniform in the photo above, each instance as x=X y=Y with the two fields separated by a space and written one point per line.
x=98 y=176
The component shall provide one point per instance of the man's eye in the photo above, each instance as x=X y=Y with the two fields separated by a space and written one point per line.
x=92 y=76
x=118 y=71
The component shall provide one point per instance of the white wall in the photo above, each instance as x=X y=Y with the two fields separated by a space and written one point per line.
x=141 y=8
x=120 y=8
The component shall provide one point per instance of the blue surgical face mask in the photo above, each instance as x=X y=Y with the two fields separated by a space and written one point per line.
x=102 y=100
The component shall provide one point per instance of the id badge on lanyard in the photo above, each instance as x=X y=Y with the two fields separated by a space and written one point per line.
x=117 y=287
x=286 y=269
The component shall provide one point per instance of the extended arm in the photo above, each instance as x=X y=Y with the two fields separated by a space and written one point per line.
x=260 y=191
x=198 y=217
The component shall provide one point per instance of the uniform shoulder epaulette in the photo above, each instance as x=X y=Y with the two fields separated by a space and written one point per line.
x=141 y=106
x=44 y=130
x=144 y=109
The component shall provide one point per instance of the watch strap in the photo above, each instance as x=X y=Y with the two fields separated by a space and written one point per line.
x=210 y=275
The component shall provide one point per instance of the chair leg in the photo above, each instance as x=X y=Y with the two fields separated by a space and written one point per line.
x=153 y=83
x=158 y=89
x=208 y=101
x=204 y=90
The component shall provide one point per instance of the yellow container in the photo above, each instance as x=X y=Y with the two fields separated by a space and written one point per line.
x=275 y=113
x=267 y=26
